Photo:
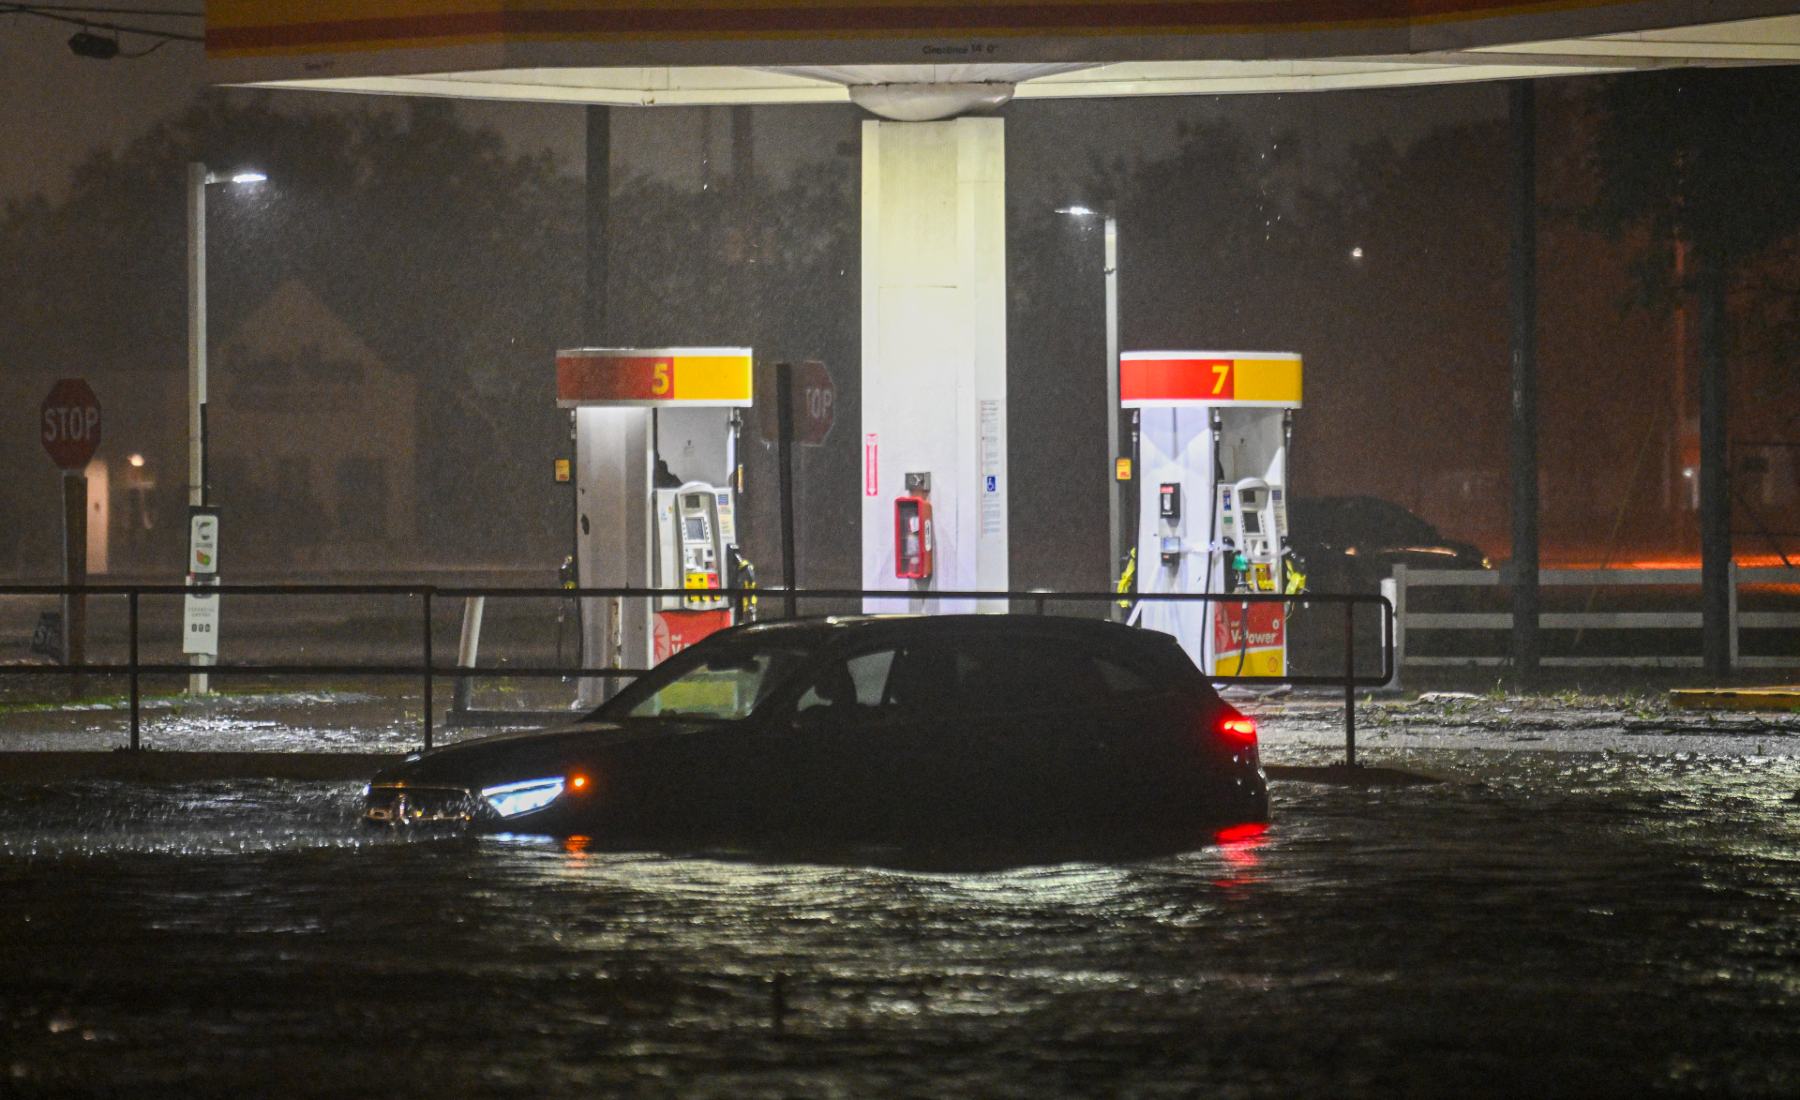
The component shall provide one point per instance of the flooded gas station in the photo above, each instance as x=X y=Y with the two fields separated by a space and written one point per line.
x=1498 y=857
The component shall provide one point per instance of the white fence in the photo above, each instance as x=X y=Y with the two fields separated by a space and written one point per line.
x=1405 y=580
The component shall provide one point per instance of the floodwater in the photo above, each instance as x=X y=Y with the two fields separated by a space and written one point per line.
x=1551 y=924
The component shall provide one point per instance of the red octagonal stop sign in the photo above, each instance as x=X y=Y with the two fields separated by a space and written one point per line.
x=71 y=423
x=815 y=404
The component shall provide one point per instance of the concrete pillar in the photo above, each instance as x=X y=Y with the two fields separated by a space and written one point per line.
x=934 y=350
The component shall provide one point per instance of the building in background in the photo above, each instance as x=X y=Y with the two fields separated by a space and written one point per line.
x=312 y=443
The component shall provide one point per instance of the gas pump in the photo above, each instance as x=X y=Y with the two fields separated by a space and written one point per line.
x=695 y=535
x=656 y=475
x=1215 y=427
x=1252 y=525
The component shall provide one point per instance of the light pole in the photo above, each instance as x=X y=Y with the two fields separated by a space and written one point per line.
x=1111 y=271
x=198 y=177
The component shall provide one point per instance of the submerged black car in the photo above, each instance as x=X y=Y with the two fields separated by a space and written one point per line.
x=888 y=730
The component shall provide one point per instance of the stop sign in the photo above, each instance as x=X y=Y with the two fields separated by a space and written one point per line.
x=815 y=405
x=71 y=421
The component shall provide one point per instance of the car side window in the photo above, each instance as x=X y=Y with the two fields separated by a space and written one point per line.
x=1029 y=674
x=856 y=684
x=1121 y=679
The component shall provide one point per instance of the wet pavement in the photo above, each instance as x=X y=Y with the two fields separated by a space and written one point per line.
x=1602 y=902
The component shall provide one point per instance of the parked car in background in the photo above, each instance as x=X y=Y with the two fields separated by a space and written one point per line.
x=904 y=731
x=1350 y=544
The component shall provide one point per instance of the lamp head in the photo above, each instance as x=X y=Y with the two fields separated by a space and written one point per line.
x=98 y=47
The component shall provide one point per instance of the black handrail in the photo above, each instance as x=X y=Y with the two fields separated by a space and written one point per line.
x=427 y=668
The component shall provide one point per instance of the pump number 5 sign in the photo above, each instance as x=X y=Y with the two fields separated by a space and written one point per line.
x=653 y=376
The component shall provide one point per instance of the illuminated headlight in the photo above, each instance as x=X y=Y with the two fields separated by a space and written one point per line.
x=513 y=799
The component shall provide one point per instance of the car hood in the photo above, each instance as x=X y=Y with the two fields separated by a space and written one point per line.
x=514 y=756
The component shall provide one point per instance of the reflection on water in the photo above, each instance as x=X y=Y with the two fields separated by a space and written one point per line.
x=1560 y=925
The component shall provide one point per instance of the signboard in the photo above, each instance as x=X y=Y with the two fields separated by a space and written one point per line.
x=203 y=541
x=1259 y=654
x=70 y=419
x=1121 y=469
x=814 y=400
x=674 y=631
x=871 y=465
x=993 y=509
x=1149 y=379
x=653 y=377
x=200 y=624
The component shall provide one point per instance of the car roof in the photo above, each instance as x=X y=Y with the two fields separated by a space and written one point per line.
x=855 y=628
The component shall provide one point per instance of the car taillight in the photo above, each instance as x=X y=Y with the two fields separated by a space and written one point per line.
x=1238 y=729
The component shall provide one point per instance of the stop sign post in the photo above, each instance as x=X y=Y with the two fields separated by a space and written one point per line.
x=69 y=420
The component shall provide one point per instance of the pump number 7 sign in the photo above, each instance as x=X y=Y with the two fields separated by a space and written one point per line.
x=1149 y=379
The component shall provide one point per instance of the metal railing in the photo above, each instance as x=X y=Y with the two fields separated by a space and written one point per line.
x=1404 y=580
x=426 y=669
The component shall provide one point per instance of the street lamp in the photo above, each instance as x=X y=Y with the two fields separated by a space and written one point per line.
x=1111 y=270
x=197 y=180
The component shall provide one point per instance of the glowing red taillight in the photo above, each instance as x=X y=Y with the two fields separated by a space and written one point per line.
x=1238 y=728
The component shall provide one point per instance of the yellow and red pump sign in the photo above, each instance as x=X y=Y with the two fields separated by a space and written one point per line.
x=1249 y=639
x=654 y=377
x=1253 y=379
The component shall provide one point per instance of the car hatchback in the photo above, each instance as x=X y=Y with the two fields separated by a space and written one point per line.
x=890 y=730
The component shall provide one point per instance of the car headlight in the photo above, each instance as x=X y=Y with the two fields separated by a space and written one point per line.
x=513 y=799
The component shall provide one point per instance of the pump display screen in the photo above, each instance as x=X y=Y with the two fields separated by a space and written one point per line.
x=1252 y=522
x=696 y=529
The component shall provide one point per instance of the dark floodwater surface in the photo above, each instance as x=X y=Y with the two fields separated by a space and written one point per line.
x=1567 y=925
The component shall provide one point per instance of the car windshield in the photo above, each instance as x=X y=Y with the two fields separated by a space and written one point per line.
x=721 y=683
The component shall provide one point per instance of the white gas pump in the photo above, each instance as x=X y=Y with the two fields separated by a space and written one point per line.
x=656 y=477
x=1214 y=429
x=696 y=530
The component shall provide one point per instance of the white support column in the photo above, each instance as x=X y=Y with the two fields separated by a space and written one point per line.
x=934 y=349
x=613 y=478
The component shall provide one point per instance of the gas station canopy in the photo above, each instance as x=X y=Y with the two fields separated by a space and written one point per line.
x=885 y=55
